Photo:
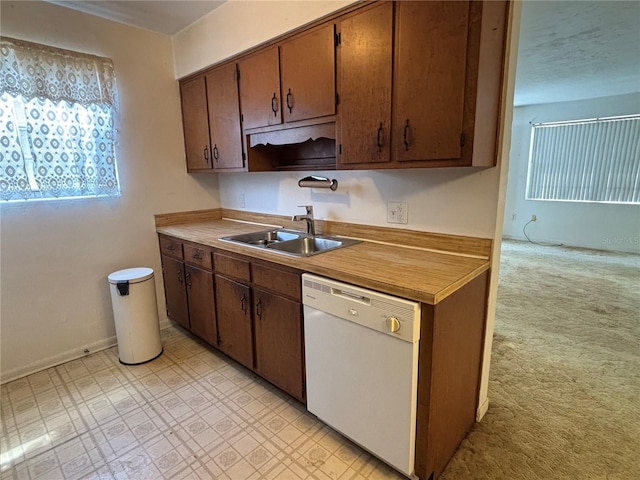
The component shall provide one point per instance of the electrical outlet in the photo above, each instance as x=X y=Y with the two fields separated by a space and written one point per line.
x=533 y=218
x=241 y=200
x=397 y=212
x=514 y=216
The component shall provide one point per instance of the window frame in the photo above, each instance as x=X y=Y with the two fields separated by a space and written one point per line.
x=535 y=191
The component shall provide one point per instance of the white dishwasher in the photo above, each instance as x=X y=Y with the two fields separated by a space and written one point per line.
x=361 y=351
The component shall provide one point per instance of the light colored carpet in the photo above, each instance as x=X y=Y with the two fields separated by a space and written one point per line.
x=564 y=386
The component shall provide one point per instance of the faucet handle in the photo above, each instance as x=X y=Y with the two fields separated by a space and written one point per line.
x=309 y=208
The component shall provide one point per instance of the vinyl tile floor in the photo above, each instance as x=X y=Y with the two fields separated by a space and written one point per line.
x=189 y=414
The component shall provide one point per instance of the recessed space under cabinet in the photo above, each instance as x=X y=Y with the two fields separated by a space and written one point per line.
x=378 y=85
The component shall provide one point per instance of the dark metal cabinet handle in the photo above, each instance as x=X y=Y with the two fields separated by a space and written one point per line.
x=215 y=152
x=197 y=255
x=259 y=308
x=243 y=305
x=405 y=136
x=290 y=100
x=274 y=105
x=188 y=278
x=171 y=247
x=206 y=154
x=179 y=274
x=380 y=145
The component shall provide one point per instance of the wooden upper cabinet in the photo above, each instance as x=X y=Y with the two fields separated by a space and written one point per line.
x=429 y=79
x=224 y=118
x=308 y=77
x=365 y=57
x=260 y=89
x=195 y=123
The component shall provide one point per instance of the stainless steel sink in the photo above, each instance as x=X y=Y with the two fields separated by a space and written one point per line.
x=264 y=238
x=290 y=242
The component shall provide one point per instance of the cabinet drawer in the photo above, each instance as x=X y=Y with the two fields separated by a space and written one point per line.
x=171 y=247
x=198 y=255
x=277 y=281
x=232 y=266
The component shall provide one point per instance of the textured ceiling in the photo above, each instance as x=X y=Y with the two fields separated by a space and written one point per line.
x=573 y=50
x=569 y=50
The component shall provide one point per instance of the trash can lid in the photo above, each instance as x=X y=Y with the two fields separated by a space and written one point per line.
x=131 y=275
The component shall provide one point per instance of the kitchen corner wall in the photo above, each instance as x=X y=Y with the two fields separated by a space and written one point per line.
x=55 y=256
x=456 y=201
x=593 y=225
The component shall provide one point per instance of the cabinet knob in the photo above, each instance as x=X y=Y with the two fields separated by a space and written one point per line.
x=380 y=145
x=215 y=152
x=393 y=324
x=274 y=105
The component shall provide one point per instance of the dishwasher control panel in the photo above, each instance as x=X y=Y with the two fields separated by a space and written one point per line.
x=394 y=316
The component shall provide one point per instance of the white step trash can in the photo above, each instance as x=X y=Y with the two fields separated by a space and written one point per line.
x=135 y=311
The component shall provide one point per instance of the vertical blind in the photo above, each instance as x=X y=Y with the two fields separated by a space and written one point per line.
x=595 y=160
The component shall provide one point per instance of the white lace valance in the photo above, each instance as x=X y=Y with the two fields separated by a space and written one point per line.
x=33 y=71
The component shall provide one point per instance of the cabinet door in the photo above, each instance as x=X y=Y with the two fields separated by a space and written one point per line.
x=308 y=75
x=195 y=123
x=429 y=79
x=202 y=314
x=175 y=290
x=278 y=334
x=224 y=118
x=365 y=85
x=260 y=89
x=233 y=302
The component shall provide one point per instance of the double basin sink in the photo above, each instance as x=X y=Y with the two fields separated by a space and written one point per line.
x=290 y=242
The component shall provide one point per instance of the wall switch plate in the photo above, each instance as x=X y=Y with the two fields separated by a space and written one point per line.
x=397 y=212
x=241 y=203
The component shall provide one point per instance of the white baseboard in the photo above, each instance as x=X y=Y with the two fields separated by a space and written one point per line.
x=56 y=360
x=64 y=357
x=482 y=409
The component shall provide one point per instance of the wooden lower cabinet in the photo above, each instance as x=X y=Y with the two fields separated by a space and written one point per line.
x=251 y=310
x=201 y=299
x=278 y=341
x=235 y=332
x=175 y=290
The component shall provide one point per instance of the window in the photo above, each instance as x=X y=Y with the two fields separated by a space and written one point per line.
x=596 y=160
x=57 y=112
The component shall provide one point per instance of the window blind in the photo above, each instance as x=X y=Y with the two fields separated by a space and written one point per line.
x=593 y=160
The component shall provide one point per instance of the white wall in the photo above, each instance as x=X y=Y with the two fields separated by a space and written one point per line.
x=55 y=256
x=238 y=25
x=454 y=201
x=591 y=225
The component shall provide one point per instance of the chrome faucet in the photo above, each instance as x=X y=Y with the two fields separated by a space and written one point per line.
x=311 y=228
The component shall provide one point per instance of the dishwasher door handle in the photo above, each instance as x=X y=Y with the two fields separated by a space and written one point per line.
x=336 y=292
